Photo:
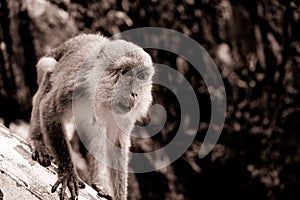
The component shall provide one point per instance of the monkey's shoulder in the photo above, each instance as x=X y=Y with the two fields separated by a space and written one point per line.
x=80 y=44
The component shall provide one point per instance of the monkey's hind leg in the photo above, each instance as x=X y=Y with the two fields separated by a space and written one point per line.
x=38 y=147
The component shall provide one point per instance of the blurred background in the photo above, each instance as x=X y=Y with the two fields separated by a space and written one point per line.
x=254 y=43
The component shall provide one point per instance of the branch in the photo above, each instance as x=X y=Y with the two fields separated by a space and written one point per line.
x=23 y=178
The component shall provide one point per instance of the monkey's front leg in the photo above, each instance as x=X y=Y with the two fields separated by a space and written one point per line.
x=119 y=173
x=55 y=139
x=99 y=177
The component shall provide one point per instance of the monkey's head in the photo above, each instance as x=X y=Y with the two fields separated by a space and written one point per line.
x=127 y=79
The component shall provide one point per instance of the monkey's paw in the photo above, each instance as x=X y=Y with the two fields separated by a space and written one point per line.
x=101 y=192
x=70 y=180
x=40 y=154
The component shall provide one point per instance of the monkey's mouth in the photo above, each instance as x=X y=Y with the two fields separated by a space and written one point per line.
x=122 y=108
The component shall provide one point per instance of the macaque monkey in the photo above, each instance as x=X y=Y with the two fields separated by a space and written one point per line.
x=114 y=79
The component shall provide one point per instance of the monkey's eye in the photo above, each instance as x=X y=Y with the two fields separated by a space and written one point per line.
x=141 y=76
x=127 y=72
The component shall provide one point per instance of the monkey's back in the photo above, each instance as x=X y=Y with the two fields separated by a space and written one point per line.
x=75 y=44
x=71 y=55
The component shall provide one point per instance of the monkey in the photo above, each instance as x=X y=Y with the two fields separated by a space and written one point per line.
x=114 y=80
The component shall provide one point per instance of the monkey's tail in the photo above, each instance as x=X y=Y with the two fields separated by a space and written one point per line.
x=45 y=64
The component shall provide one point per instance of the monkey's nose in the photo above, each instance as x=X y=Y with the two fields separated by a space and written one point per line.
x=134 y=94
x=132 y=99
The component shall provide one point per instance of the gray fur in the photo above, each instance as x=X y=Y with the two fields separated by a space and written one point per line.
x=94 y=66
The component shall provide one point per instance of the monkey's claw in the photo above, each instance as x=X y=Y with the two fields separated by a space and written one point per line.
x=101 y=192
x=81 y=184
x=40 y=154
x=70 y=180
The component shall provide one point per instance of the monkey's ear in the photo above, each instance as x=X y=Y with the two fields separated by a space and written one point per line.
x=144 y=121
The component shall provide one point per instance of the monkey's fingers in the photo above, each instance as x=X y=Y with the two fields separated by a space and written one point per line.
x=63 y=189
x=73 y=187
x=44 y=160
x=42 y=157
x=101 y=192
x=81 y=184
x=65 y=182
x=56 y=184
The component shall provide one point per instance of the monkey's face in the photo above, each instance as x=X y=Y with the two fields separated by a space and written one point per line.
x=126 y=83
x=132 y=90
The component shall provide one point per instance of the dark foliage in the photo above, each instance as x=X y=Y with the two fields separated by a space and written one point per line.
x=256 y=46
